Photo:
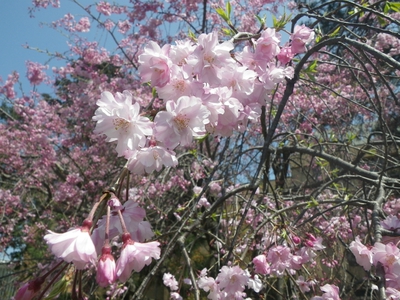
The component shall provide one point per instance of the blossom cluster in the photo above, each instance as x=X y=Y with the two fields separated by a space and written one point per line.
x=205 y=88
x=385 y=254
x=81 y=248
x=229 y=284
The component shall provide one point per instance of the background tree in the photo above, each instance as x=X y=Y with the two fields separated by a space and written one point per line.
x=303 y=177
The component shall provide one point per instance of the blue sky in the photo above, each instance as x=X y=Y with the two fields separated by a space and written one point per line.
x=18 y=29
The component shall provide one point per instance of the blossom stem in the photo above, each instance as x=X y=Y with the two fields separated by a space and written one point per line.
x=107 y=236
x=123 y=225
x=53 y=280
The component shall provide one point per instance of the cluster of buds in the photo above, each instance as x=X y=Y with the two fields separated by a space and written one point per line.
x=81 y=246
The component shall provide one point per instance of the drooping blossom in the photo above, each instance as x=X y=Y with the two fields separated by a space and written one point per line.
x=301 y=36
x=209 y=58
x=254 y=282
x=303 y=285
x=155 y=64
x=261 y=265
x=74 y=246
x=208 y=284
x=387 y=255
x=267 y=46
x=133 y=216
x=176 y=296
x=149 y=159
x=106 y=273
x=331 y=292
x=170 y=281
x=362 y=253
x=120 y=121
x=392 y=293
x=232 y=280
x=134 y=256
x=285 y=55
x=181 y=122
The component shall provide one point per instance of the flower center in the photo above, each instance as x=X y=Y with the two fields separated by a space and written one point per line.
x=181 y=121
x=180 y=85
x=156 y=156
x=121 y=123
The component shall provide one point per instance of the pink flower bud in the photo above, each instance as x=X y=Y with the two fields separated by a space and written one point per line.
x=309 y=243
x=29 y=290
x=296 y=240
x=311 y=237
x=106 y=274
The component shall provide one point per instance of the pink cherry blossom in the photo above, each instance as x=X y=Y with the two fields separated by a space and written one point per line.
x=181 y=122
x=170 y=281
x=304 y=286
x=261 y=265
x=391 y=223
x=106 y=273
x=134 y=256
x=74 y=246
x=301 y=36
x=124 y=26
x=267 y=45
x=35 y=73
x=209 y=57
x=392 y=294
x=120 y=121
x=175 y=296
x=83 y=25
x=155 y=64
x=147 y=160
x=133 y=215
x=104 y=8
x=232 y=280
x=331 y=292
x=208 y=284
x=387 y=255
x=362 y=254
x=29 y=290
x=285 y=55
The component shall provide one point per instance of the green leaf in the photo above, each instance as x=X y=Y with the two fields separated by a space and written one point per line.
x=312 y=203
x=228 y=9
x=261 y=20
x=222 y=13
x=335 y=32
x=227 y=31
x=312 y=68
x=274 y=21
x=395 y=6
x=59 y=287
x=192 y=36
x=154 y=92
x=193 y=152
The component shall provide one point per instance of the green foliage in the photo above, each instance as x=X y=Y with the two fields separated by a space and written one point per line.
x=391 y=7
x=281 y=23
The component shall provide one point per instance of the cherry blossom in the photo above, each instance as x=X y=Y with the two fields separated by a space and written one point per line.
x=106 y=274
x=301 y=36
x=155 y=64
x=74 y=246
x=170 y=281
x=181 y=122
x=119 y=119
x=149 y=159
x=362 y=253
x=134 y=256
